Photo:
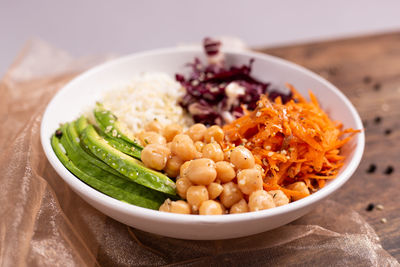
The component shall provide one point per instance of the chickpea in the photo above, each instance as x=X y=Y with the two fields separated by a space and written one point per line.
x=213 y=151
x=182 y=185
x=169 y=145
x=166 y=206
x=239 y=207
x=196 y=195
x=279 y=197
x=180 y=206
x=230 y=195
x=242 y=158
x=249 y=180
x=227 y=155
x=147 y=138
x=260 y=200
x=183 y=147
x=225 y=171
x=300 y=187
x=173 y=166
x=197 y=132
x=155 y=156
x=199 y=145
x=171 y=130
x=183 y=169
x=214 y=190
x=154 y=126
x=214 y=134
x=210 y=207
x=201 y=171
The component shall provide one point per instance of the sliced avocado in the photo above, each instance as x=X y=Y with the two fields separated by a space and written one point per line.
x=109 y=124
x=73 y=136
x=126 y=165
x=122 y=145
x=101 y=180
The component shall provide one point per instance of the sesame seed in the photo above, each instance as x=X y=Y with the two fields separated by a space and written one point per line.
x=367 y=79
x=379 y=207
x=108 y=128
x=58 y=133
x=62 y=148
x=283 y=152
x=389 y=170
x=268 y=147
x=377 y=120
x=114 y=133
x=372 y=168
x=270 y=154
x=258 y=114
x=383 y=220
x=370 y=207
x=377 y=86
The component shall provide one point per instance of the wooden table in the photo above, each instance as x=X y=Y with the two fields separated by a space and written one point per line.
x=367 y=70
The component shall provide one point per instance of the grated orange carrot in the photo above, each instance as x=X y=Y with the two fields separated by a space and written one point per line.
x=296 y=141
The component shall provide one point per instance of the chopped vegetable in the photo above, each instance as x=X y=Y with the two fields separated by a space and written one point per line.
x=216 y=93
x=293 y=142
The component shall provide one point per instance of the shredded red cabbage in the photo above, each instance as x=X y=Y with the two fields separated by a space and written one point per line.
x=209 y=98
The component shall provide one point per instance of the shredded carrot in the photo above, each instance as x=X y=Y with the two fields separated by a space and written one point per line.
x=295 y=141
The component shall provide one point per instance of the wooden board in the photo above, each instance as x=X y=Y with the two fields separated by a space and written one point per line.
x=367 y=70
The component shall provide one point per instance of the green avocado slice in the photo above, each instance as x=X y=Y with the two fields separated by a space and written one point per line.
x=73 y=136
x=122 y=145
x=101 y=180
x=109 y=124
x=126 y=165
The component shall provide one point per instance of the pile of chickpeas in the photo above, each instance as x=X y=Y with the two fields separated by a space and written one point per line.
x=210 y=181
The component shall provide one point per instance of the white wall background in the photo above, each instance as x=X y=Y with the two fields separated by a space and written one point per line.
x=97 y=26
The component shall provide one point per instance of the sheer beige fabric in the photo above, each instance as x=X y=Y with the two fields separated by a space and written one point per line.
x=44 y=223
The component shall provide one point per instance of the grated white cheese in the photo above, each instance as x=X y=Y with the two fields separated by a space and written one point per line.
x=147 y=97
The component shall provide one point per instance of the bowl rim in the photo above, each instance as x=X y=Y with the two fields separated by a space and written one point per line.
x=83 y=189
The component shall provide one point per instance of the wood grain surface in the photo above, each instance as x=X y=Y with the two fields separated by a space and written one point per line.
x=367 y=70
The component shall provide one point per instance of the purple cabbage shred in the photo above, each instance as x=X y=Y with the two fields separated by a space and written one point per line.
x=206 y=97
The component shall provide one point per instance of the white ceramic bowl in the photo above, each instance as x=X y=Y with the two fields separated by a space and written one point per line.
x=84 y=90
